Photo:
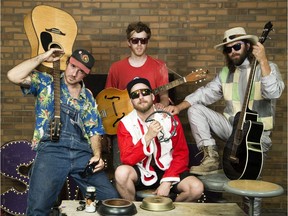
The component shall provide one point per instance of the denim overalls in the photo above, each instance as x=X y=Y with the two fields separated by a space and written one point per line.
x=56 y=160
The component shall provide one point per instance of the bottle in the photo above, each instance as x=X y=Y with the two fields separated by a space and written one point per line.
x=90 y=196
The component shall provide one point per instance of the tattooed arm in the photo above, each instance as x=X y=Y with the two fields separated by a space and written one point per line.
x=20 y=73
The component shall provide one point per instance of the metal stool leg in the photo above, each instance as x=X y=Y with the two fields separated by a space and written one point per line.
x=251 y=207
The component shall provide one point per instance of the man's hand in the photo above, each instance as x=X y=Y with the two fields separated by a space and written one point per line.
x=154 y=128
x=163 y=189
x=259 y=52
x=99 y=164
x=53 y=54
x=260 y=55
x=172 y=109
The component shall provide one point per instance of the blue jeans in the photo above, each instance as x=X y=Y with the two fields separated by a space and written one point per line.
x=54 y=161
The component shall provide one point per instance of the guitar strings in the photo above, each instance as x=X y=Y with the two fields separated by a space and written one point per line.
x=174 y=72
x=157 y=61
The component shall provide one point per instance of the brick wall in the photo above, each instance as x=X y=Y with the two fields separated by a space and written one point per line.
x=183 y=34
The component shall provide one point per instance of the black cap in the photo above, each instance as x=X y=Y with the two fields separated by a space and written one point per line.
x=135 y=81
x=82 y=59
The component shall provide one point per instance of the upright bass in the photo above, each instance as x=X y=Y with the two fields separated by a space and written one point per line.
x=243 y=155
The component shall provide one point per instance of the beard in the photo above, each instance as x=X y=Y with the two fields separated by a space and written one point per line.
x=143 y=106
x=240 y=58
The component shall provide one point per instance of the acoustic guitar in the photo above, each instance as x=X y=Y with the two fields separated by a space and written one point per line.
x=114 y=104
x=243 y=155
x=49 y=27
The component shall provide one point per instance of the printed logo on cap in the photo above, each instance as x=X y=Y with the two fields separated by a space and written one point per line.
x=84 y=57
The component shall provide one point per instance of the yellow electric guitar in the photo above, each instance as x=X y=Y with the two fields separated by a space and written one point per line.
x=49 y=27
x=114 y=104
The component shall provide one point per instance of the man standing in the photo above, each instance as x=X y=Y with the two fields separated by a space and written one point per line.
x=151 y=157
x=230 y=83
x=81 y=129
x=138 y=64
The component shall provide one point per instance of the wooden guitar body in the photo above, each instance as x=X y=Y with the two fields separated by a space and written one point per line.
x=113 y=105
x=249 y=152
x=48 y=27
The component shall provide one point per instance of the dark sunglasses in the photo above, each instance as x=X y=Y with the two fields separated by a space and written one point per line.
x=236 y=47
x=136 y=40
x=136 y=94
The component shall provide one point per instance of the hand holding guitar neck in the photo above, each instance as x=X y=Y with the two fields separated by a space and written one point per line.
x=54 y=54
x=243 y=154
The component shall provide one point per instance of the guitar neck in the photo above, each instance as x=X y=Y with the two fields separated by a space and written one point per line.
x=247 y=95
x=170 y=85
x=56 y=77
x=262 y=38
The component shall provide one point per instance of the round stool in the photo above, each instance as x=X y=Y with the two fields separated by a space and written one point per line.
x=213 y=184
x=252 y=189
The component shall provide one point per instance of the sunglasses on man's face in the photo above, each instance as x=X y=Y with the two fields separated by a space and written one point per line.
x=236 y=47
x=136 y=40
x=143 y=92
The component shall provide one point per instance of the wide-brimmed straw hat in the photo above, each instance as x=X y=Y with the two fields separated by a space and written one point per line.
x=236 y=34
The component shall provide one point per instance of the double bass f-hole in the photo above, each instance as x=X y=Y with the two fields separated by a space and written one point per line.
x=114 y=108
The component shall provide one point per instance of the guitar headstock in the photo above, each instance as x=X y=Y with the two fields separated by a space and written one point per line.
x=267 y=28
x=197 y=76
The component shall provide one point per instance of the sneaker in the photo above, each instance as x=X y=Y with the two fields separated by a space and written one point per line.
x=209 y=163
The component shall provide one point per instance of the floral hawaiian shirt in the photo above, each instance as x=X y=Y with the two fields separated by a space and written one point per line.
x=42 y=88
